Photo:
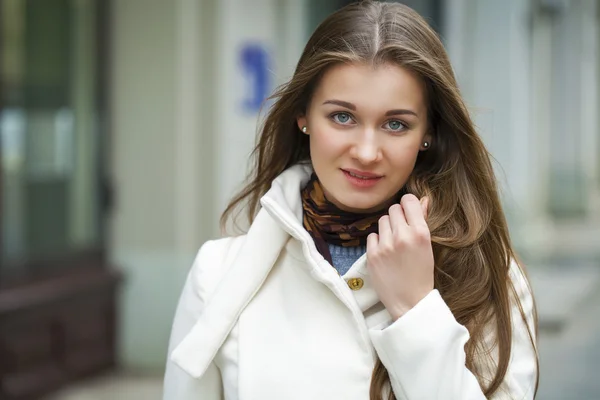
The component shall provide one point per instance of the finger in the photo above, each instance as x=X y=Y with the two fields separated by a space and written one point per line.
x=413 y=210
x=372 y=242
x=385 y=230
x=397 y=218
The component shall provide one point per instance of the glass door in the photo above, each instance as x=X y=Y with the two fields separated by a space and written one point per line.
x=49 y=130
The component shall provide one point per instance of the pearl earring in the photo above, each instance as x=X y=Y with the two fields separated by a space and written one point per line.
x=304 y=129
x=426 y=145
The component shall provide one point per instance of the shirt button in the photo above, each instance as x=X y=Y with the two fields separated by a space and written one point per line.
x=355 y=283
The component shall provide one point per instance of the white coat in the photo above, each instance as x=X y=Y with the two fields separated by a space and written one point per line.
x=264 y=317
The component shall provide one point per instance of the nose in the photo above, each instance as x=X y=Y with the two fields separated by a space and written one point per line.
x=366 y=149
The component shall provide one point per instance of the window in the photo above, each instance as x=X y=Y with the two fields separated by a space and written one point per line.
x=50 y=126
x=57 y=295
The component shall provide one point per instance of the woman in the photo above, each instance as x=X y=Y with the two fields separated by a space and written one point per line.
x=378 y=263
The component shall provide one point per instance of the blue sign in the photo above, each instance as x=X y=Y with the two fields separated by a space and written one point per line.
x=255 y=64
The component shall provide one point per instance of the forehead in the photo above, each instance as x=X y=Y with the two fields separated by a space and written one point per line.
x=372 y=87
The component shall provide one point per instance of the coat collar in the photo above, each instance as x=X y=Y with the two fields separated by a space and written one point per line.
x=283 y=198
x=242 y=281
x=279 y=218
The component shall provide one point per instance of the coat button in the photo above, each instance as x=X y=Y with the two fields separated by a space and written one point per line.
x=355 y=283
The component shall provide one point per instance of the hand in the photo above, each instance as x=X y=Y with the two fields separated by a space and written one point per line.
x=400 y=258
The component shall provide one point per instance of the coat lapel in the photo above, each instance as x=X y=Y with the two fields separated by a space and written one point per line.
x=248 y=270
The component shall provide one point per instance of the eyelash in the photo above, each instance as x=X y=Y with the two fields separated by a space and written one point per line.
x=332 y=117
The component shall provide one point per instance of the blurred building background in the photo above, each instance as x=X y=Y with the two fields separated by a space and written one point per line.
x=126 y=126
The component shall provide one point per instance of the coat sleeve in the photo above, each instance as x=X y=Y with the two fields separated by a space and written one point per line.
x=423 y=352
x=178 y=385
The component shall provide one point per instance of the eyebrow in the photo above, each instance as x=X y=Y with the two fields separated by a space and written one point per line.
x=352 y=107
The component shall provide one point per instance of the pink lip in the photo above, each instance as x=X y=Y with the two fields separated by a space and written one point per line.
x=368 y=179
x=364 y=174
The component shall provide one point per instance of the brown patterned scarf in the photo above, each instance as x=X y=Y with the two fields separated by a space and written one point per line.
x=328 y=224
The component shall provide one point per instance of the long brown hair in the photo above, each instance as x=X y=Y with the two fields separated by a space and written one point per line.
x=467 y=224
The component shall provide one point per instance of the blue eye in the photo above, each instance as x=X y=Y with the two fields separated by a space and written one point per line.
x=396 y=125
x=341 y=118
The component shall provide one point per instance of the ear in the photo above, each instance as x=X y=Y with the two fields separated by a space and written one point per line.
x=426 y=139
x=301 y=121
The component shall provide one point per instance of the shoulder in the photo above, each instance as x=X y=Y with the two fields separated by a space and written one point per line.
x=212 y=262
x=522 y=300
x=520 y=284
x=517 y=276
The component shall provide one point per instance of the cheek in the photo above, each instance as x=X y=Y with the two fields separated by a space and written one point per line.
x=326 y=142
x=404 y=157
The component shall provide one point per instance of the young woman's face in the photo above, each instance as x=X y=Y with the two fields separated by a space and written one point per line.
x=366 y=127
